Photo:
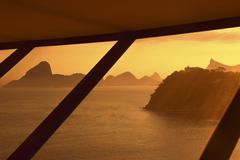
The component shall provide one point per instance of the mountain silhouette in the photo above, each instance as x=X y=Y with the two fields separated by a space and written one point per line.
x=41 y=76
x=195 y=93
x=155 y=76
x=217 y=65
x=127 y=78
x=42 y=70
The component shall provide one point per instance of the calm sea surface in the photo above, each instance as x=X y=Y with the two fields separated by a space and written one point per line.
x=109 y=125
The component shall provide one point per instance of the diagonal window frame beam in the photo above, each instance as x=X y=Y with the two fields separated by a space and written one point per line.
x=8 y=63
x=54 y=120
x=225 y=137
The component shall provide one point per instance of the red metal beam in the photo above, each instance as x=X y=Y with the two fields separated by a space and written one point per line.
x=55 y=119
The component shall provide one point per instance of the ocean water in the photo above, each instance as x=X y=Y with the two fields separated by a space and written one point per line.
x=110 y=124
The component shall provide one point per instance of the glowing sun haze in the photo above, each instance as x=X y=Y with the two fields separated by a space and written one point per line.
x=163 y=54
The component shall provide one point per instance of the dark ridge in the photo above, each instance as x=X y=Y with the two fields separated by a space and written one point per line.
x=40 y=76
x=195 y=93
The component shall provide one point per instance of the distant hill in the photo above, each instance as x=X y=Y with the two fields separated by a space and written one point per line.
x=128 y=78
x=155 y=76
x=195 y=93
x=41 y=76
x=217 y=65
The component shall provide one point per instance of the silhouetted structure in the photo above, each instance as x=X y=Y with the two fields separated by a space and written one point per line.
x=99 y=27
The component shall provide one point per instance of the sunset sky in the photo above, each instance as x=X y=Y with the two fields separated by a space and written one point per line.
x=163 y=54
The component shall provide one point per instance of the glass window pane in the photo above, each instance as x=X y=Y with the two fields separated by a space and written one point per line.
x=161 y=100
x=34 y=87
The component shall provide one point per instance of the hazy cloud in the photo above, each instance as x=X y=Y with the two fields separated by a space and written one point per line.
x=209 y=36
x=225 y=35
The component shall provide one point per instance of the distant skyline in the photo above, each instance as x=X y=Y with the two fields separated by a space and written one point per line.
x=163 y=54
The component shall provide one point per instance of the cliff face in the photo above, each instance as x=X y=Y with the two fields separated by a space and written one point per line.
x=195 y=93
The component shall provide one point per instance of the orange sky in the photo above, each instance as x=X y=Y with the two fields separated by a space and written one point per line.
x=163 y=55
